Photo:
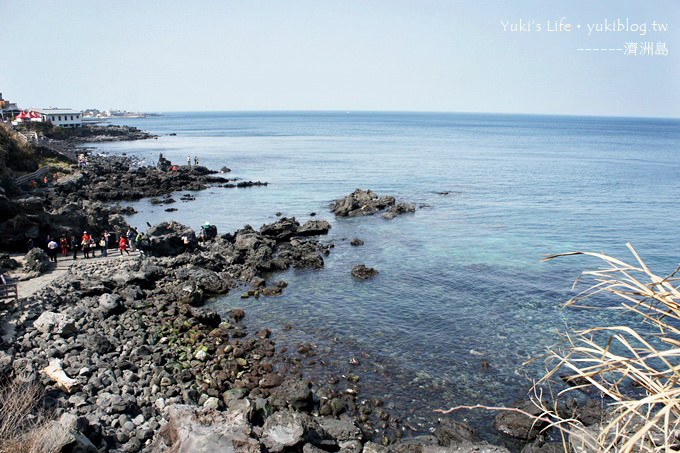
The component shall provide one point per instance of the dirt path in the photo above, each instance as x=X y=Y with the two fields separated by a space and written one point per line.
x=29 y=287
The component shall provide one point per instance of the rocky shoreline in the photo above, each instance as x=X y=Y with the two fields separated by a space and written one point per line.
x=75 y=203
x=137 y=357
x=131 y=360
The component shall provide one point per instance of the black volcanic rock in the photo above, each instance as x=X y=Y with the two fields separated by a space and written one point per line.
x=362 y=272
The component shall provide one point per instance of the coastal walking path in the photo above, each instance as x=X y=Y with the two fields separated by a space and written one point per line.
x=31 y=286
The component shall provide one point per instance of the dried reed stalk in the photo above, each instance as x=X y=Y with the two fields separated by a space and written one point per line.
x=607 y=357
x=649 y=360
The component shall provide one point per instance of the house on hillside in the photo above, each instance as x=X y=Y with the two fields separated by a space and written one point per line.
x=62 y=117
x=25 y=117
x=8 y=109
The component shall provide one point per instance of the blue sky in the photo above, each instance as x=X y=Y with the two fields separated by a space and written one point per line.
x=419 y=55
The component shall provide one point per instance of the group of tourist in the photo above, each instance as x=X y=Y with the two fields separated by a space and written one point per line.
x=89 y=244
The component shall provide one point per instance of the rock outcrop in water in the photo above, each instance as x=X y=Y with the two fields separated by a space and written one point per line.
x=362 y=272
x=365 y=202
x=119 y=178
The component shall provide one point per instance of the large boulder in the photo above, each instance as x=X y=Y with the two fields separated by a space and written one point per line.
x=30 y=204
x=190 y=294
x=362 y=272
x=7 y=262
x=309 y=261
x=284 y=429
x=358 y=203
x=293 y=393
x=361 y=203
x=36 y=261
x=97 y=214
x=450 y=432
x=314 y=228
x=247 y=240
x=209 y=281
x=117 y=223
x=282 y=230
x=54 y=323
x=139 y=273
x=170 y=239
x=191 y=429
x=69 y=209
x=206 y=316
x=163 y=164
x=98 y=343
x=63 y=435
x=517 y=424
x=110 y=304
x=70 y=216
x=260 y=258
x=301 y=254
x=15 y=231
x=397 y=209
x=342 y=429
x=112 y=403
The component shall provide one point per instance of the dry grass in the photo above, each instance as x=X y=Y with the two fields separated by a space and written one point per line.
x=21 y=420
x=609 y=357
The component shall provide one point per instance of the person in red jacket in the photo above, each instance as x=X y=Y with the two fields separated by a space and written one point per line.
x=85 y=244
x=64 y=244
x=122 y=245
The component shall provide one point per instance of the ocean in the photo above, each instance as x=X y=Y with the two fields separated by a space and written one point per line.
x=460 y=281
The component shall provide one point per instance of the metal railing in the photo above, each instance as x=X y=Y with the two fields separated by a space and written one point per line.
x=28 y=136
x=40 y=172
x=9 y=291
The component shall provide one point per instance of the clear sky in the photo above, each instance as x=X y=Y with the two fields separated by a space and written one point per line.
x=407 y=55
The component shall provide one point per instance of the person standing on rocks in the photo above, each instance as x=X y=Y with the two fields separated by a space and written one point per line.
x=104 y=243
x=196 y=160
x=74 y=247
x=189 y=161
x=131 y=239
x=138 y=240
x=85 y=243
x=63 y=243
x=122 y=245
x=52 y=247
x=102 y=246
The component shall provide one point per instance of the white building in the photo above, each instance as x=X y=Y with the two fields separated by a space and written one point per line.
x=62 y=117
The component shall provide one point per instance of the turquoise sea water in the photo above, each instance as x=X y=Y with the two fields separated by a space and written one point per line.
x=460 y=280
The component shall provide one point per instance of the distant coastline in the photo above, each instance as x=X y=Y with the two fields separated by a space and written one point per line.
x=97 y=116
